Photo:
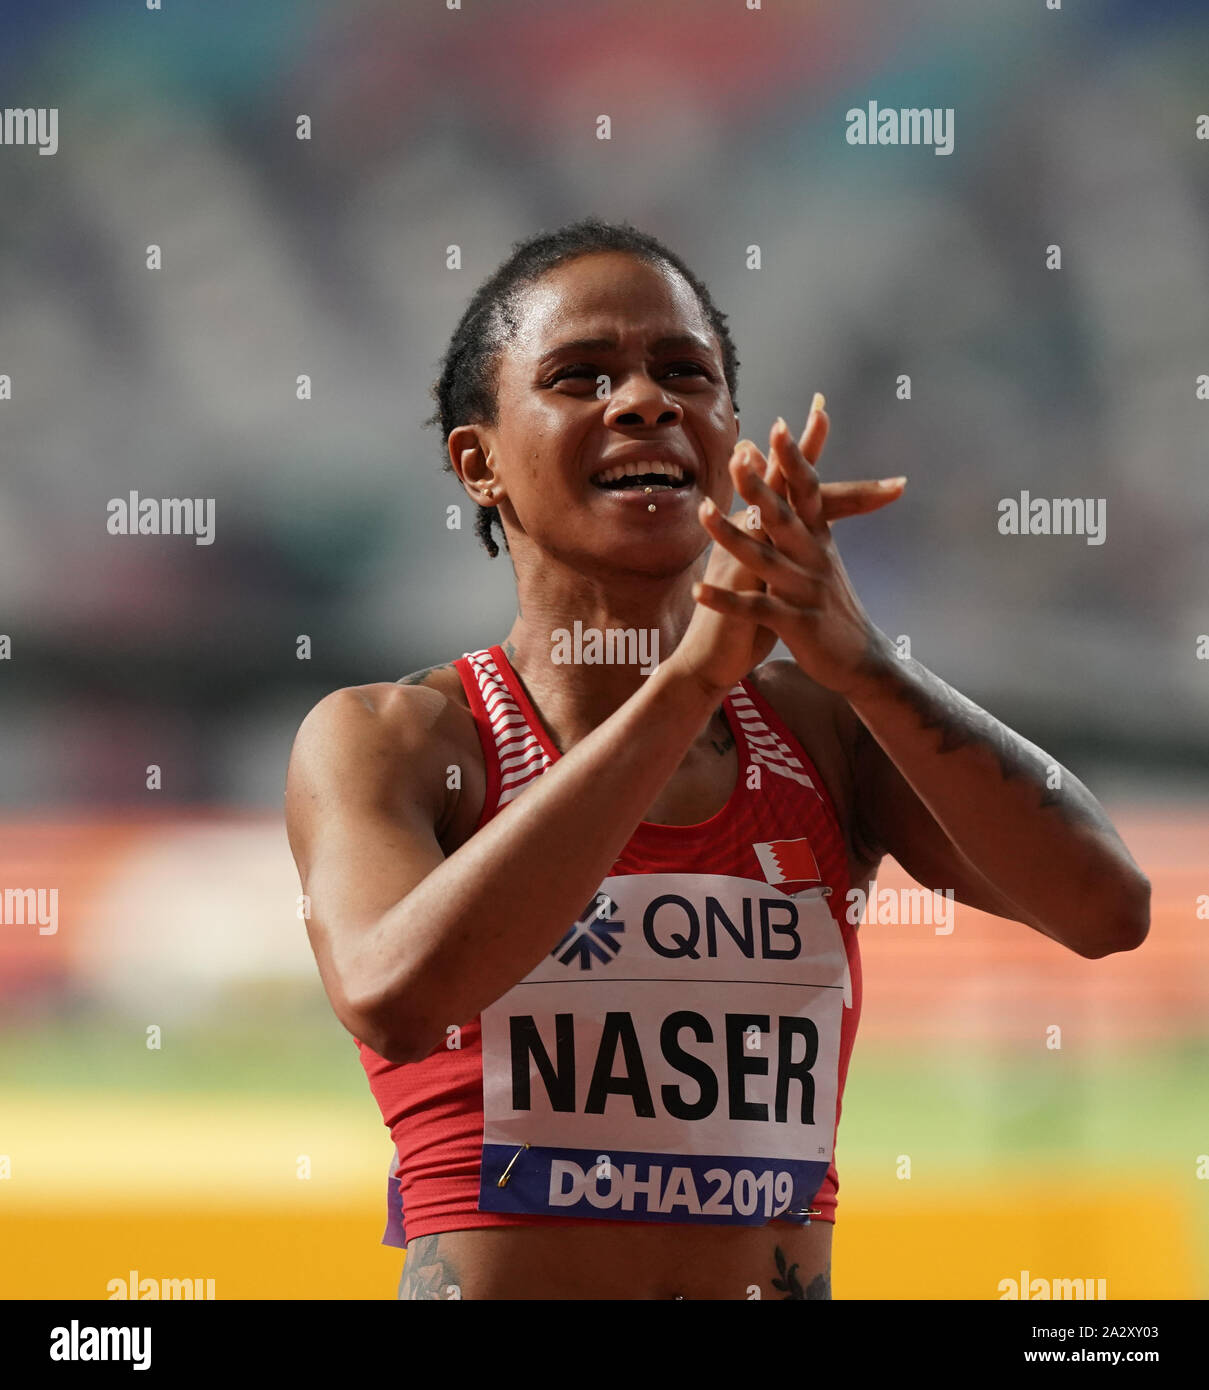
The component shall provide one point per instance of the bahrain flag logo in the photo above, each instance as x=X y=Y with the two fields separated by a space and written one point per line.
x=788 y=861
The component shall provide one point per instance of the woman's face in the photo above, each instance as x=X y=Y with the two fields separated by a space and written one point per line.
x=665 y=420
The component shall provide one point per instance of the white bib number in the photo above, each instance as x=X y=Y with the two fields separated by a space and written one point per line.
x=675 y=1058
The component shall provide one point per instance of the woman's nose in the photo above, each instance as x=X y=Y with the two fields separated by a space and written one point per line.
x=642 y=401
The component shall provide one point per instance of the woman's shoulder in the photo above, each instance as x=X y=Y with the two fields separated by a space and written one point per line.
x=793 y=694
x=442 y=678
x=416 y=713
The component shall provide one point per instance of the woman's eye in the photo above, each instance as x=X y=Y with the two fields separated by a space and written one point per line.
x=584 y=370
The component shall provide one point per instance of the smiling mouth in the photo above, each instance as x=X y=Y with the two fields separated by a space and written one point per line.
x=641 y=476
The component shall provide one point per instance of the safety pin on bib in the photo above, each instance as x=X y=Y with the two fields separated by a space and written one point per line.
x=503 y=1178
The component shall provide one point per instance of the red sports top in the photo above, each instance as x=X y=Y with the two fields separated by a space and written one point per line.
x=680 y=1055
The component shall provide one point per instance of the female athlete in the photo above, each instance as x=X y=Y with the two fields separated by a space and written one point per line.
x=583 y=898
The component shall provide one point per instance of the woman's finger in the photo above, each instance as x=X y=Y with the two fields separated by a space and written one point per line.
x=818 y=425
x=766 y=610
x=859 y=498
x=814 y=436
x=800 y=474
x=776 y=519
x=746 y=455
x=758 y=557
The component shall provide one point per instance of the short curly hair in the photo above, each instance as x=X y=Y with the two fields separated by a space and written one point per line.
x=465 y=392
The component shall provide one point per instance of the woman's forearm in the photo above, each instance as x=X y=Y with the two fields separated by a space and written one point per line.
x=1029 y=826
x=484 y=917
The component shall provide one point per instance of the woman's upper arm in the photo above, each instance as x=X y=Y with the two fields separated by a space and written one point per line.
x=365 y=800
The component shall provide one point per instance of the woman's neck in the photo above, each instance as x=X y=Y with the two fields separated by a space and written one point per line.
x=583 y=650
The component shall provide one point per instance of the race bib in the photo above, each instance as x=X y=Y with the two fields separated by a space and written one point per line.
x=675 y=1058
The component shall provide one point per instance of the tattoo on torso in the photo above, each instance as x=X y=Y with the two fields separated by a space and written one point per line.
x=791 y=1287
x=724 y=744
x=428 y=1272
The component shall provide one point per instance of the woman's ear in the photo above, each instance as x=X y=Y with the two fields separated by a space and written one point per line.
x=471 y=461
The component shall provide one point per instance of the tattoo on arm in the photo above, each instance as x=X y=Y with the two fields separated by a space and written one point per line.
x=428 y=1272
x=419 y=677
x=963 y=724
x=789 y=1284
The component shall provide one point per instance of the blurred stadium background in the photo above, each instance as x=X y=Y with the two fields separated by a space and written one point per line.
x=476 y=127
